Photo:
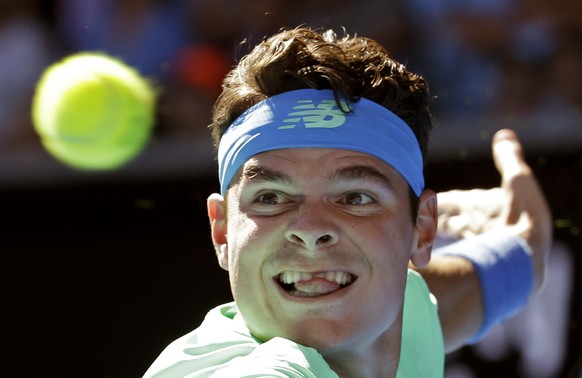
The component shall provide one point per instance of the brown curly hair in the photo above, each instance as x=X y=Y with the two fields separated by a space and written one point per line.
x=353 y=67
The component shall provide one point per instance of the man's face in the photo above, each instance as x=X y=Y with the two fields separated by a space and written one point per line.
x=317 y=244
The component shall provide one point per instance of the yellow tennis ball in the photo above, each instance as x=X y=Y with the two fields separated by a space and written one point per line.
x=93 y=112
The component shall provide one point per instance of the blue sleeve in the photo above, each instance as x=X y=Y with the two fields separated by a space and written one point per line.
x=505 y=270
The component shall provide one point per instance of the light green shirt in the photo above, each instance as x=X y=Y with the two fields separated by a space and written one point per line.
x=223 y=347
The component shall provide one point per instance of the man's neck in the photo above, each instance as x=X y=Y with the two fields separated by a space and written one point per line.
x=379 y=359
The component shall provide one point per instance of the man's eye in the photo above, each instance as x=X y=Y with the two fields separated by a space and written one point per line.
x=357 y=198
x=269 y=198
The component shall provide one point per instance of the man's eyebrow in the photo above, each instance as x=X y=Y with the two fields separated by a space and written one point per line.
x=359 y=172
x=256 y=172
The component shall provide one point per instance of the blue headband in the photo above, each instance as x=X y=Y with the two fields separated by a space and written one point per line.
x=308 y=118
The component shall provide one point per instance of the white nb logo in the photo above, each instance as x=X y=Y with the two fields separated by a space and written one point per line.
x=326 y=115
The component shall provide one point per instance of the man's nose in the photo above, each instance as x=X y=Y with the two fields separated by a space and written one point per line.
x=313 y=228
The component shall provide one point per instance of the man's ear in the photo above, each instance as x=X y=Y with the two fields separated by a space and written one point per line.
x=217 y=216
x=425 y=229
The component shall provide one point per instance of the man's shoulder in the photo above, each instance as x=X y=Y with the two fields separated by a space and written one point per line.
x=422 y=349
x=222 y=346
x=216 y=341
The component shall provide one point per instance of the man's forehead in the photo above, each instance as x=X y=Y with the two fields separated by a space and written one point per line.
x=314 y=157
x=335 y=164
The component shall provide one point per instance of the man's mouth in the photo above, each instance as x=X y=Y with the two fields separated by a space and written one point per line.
x=302 y=284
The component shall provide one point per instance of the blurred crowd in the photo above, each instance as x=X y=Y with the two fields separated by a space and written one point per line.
x=501 y=58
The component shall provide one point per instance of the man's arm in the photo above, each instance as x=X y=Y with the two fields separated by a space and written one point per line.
x=518 y=209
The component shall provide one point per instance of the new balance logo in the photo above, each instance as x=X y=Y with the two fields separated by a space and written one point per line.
x=326 y=115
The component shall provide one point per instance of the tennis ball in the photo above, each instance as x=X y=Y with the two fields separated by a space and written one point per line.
x=92 y=111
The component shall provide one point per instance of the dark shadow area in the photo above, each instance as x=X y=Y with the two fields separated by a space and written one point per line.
x=101 y=277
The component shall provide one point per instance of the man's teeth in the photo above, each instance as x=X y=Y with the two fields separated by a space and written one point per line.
x=289 y=277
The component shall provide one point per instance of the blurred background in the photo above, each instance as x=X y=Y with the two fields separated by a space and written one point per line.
x=103 y=270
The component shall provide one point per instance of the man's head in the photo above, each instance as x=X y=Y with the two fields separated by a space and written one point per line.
x=317 y=237
x=302 y=58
